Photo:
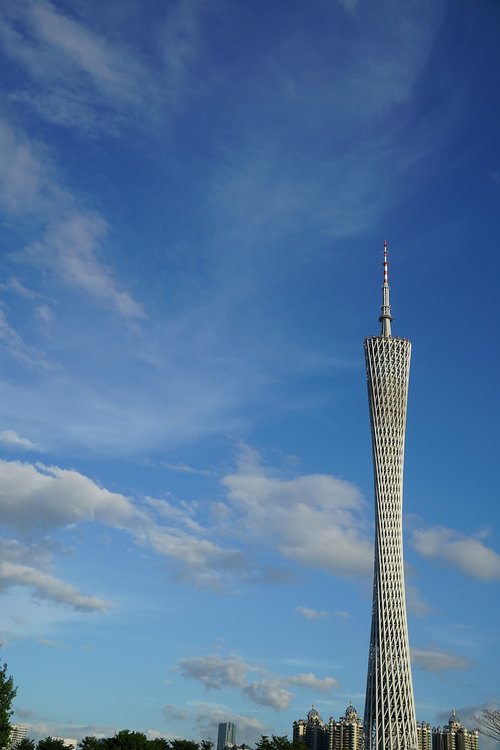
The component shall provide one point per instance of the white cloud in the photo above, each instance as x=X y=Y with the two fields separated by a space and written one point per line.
x=10 y=439
x=342 y=614
x=36 y=498
x=434 y=660
x=218 y=671
x=58 y=645
x=42 y=497
x=468 y=554
x=349 y=5
x=314 y=519
x=175 y=713
x=207 y=717
x=215 y=671
x=417 y=605
x=40 y=727
x=250 y=729
x=199 y=561
x=269 y=692
x=310 y=681
x=183 y=468
x=311 y=614
x=275 y=513
x=48 y=587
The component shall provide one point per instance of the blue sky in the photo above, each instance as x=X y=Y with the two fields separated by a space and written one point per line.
x=194 y=197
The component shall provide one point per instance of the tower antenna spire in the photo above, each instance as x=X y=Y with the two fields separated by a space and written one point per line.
x=386 y=316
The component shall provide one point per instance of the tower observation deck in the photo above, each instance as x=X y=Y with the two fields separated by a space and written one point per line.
x=389 y=719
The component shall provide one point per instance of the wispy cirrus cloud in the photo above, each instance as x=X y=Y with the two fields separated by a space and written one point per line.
x=58 y=645
x=27 y=182
x=89 y=79
x=312 y=614
x=72 y=73
x=17 y=348
x=70 y=249
x=71 y=246
x=11 y=440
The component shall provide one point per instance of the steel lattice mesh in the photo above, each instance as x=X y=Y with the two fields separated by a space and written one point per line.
x=390 y=722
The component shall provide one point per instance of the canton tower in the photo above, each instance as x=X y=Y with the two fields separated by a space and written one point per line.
x=389 y=720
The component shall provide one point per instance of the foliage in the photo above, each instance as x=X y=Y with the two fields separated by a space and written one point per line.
x=489 y=723
x=158 y=743
x=91 y=743
x=51 y=743
x=25 y=744
x=184 y=745
x=7 y=694
x=127 y=740
x=277 y=742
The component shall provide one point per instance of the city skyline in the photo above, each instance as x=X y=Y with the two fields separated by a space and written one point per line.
x=193 y=198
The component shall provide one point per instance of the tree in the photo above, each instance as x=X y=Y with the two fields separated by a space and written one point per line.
x=184 y=745
x=206 y=745
x=489 y=723
x=25 y=744
x=52 y=743
x=127 y=740
x=91 y=743
x=281 y=742
x=158 y=743
x=7 y=694
x=277 y=742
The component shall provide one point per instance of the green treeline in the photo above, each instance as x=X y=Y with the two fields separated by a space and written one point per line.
x=127 y=740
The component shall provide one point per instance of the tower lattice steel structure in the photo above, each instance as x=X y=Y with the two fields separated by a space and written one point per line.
x=389 y=720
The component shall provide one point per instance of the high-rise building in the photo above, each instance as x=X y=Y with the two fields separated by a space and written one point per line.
x=348 y=731
x=18 y=732
x=344 y=734
x=226 y=736
x=424 y=735
x=455 y=736
x=312 y=731
x=389 y=720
